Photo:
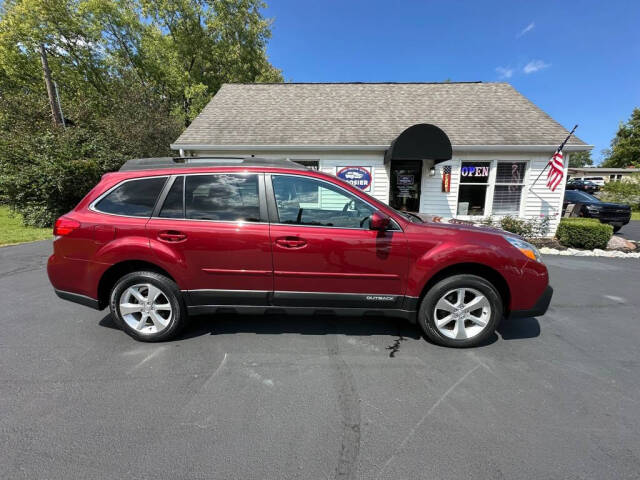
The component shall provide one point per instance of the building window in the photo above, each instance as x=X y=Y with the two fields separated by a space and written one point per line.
x=508 y=188
x=474 y=179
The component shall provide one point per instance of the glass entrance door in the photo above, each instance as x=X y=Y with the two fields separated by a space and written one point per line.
x=404 y=193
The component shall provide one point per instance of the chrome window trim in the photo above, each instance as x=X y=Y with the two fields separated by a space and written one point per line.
x=375 y=209
x=184 y=204
x=168 y=219
x=92 y=205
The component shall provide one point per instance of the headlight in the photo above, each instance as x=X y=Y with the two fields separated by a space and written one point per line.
x=593 y=208
x=526 y=248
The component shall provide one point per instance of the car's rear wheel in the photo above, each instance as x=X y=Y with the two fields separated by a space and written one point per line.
x=460 y=311
x=148 y=306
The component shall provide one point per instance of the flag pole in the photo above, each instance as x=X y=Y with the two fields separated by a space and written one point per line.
x=559 y=149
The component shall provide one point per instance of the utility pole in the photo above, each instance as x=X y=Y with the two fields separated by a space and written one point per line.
x=51 y=91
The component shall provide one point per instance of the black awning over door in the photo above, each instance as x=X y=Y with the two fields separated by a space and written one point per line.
x=422 y=141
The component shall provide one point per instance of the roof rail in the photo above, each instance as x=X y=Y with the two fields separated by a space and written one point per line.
x=186 y=162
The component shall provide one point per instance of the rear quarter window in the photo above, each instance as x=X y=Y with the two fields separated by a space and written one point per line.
x=133 y=198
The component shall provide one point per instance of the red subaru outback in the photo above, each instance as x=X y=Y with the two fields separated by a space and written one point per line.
x=165 y=238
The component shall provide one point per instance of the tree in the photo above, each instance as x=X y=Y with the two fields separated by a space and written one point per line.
x=131 y=74
x=625 y=146
x=580 y=159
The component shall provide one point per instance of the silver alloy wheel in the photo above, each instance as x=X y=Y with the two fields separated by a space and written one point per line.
x=145 y=308
x=462 y=313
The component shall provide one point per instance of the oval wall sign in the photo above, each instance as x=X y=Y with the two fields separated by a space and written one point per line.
x=359 y=177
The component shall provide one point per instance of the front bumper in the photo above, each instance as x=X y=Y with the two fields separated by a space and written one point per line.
x=612 y=219
x=540 y=307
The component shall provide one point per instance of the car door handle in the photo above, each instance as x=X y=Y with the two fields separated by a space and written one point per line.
x=291 y=242
x=172 y=236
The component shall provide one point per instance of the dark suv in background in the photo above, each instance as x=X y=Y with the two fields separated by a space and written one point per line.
x=585 y=205
x=163 y=238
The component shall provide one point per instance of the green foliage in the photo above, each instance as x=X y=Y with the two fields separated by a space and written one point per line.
x=526 y=228
x=13 y=231
x=53 y=180
x=131 y=74
x=625 y=147
x=624 y=191
x=586 y=233
x=580 y=159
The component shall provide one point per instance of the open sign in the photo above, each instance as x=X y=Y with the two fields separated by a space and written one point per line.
x=359 y=177
x=475 y=171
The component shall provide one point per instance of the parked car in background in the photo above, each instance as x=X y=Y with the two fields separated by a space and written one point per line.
x=585 y=205
x=583 y=185
x=596 y=180
x=164 y=238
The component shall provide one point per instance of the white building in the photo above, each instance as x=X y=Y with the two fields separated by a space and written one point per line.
x=604 y=173
x=400 y=140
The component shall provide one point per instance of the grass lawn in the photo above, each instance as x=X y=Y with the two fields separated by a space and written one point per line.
x=635 y=215
x=12 y=230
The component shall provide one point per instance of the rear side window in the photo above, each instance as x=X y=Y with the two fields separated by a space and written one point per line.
x=134 y=198
x=224 y=197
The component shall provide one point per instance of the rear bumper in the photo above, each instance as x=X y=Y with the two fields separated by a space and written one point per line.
x=540 y=307
x=77 y=298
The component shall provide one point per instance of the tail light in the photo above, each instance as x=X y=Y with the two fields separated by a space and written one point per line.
x=64 y=226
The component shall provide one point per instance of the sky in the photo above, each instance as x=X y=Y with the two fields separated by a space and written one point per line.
x=578 y=61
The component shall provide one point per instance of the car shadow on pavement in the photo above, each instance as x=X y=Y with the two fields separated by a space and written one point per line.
x=270 y=324
x=519 y=328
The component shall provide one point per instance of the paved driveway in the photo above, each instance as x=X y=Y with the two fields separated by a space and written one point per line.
x=631 y=231
x=286 y=397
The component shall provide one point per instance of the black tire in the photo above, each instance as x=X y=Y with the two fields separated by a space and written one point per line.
x=170 y=291
x=616 y=228
x=426 y=312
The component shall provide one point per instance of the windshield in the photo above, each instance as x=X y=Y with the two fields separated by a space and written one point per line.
x=577 y=196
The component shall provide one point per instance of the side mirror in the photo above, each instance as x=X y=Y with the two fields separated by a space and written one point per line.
x=379 y=222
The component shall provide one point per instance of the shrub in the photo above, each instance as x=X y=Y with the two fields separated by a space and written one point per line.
x=526 y=228
x=41 y=179
x=586 y=233
x=624 y=191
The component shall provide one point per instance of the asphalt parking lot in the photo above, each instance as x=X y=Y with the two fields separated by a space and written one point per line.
x=320 y=397
x=631 y=231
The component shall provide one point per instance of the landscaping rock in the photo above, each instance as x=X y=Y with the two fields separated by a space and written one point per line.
x=589 y=253
x=619 y=243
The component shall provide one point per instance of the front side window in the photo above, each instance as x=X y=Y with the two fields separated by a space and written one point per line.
x=474 y=179
x=134 y=198
x=223 y=197
x=307 y=201
x=508 y=189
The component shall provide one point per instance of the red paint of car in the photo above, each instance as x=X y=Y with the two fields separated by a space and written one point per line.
x=267 y=263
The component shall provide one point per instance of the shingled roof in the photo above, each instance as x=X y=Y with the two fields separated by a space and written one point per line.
x=369 y=114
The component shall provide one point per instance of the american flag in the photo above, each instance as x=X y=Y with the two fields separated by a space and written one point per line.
x=446 y=179
x=556 y=170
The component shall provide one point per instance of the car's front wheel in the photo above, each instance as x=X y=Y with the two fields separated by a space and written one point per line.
x=460 y=311
x=148 y=306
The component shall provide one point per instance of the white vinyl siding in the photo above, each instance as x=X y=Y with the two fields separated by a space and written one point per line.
x=536 y=201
